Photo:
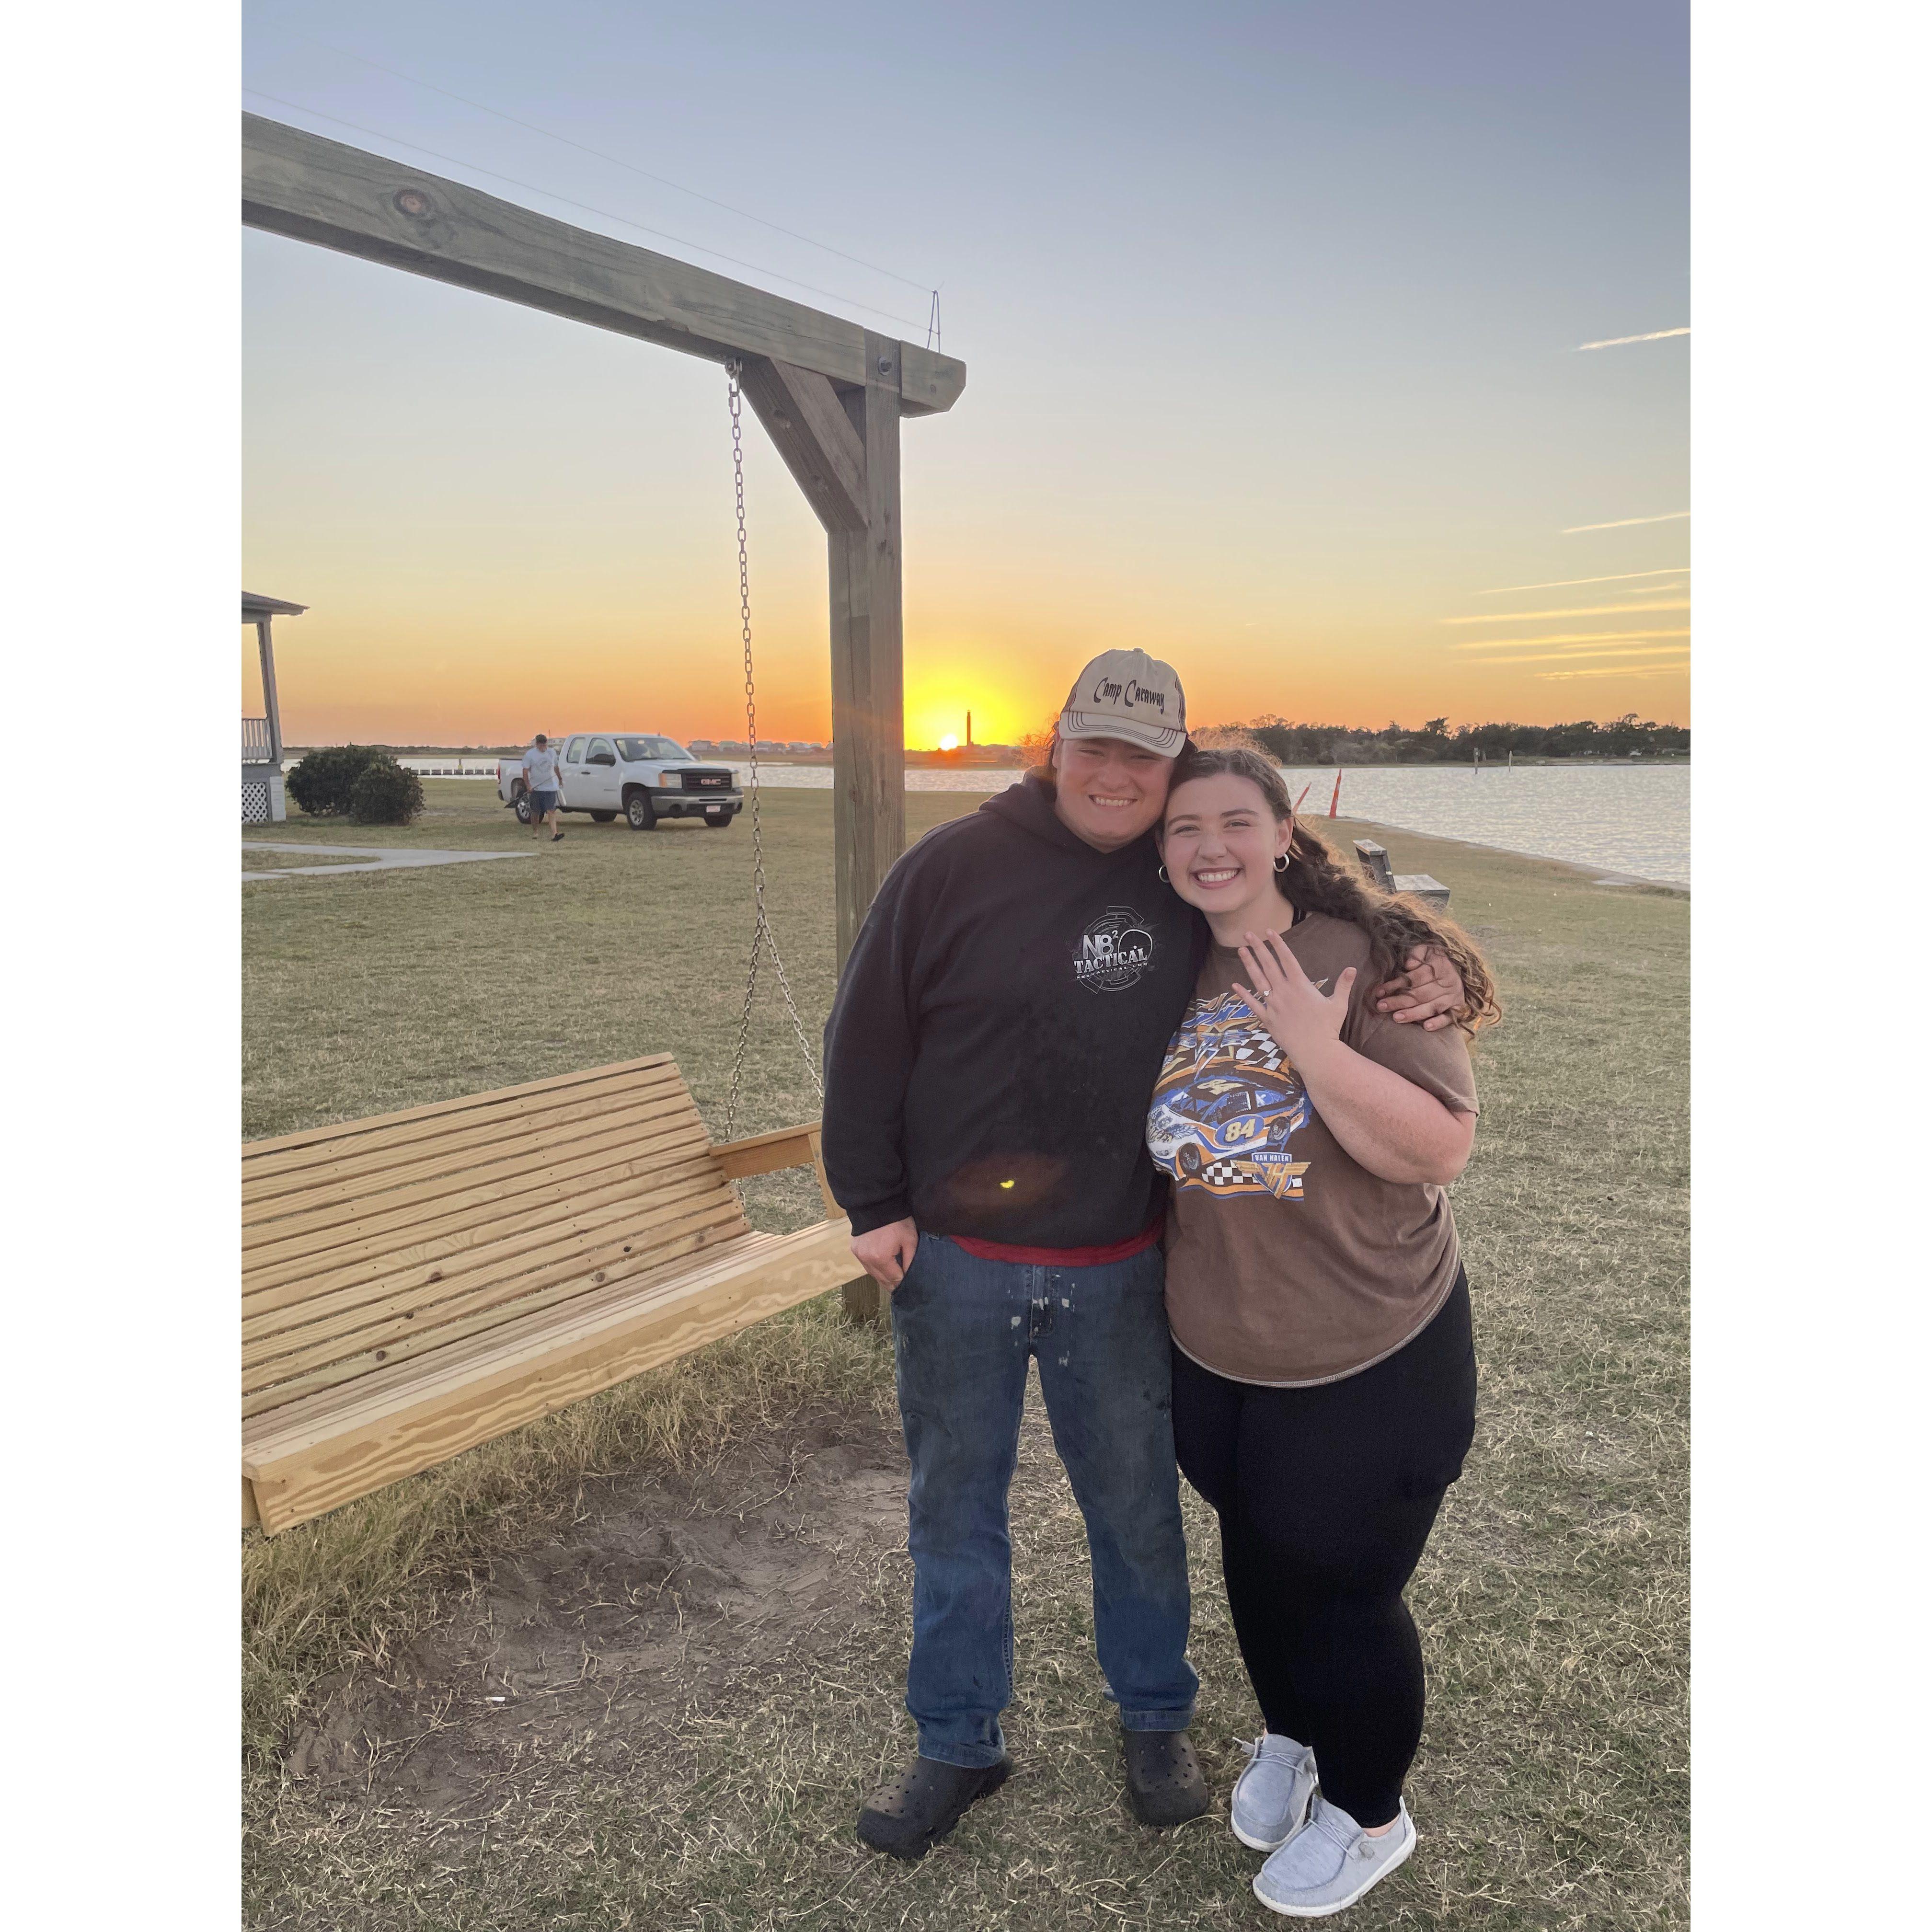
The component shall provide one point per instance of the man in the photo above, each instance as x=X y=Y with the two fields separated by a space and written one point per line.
x=540 y=774
x=996 y=1037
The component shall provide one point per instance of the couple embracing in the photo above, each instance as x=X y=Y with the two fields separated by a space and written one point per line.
x=1130 y=1076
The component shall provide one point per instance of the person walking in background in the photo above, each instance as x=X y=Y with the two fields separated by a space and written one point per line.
x=996 y=1034
x=546 y=790
x=1324 y=1368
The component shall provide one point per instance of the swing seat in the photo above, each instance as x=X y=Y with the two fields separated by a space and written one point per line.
x=417 y=1283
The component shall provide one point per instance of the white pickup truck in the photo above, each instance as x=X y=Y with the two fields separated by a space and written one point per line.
x=645 y=777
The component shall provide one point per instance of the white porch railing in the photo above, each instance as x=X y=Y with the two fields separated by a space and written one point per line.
x=255 y=749
x=450 y=765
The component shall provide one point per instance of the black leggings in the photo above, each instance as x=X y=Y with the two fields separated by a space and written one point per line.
x=1327 y=1496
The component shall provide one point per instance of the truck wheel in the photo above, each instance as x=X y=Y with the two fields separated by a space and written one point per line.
x=717 y=822
x=637 y=810
x=602 y=818
x=521 y=805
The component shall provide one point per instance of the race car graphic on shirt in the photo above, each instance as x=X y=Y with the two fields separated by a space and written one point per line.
x=1225 y=1105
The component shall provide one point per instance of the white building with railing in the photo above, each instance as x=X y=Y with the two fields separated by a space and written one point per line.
x=263 y=799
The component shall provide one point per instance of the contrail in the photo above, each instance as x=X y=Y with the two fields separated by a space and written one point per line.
x=1618 y=670
x=1618 y=341
x=1575 y=657
x=1625 y=523
x=1565 y=582
x=1567 y=636
x=1613 y=647
x=1575 y=610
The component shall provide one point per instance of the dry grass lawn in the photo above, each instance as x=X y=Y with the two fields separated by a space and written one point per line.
x=637 y=1665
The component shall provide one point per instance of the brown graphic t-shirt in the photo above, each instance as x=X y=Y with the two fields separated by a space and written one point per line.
x=1287 y=1261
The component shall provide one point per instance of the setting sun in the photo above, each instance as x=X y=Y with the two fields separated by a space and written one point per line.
x=948 y=743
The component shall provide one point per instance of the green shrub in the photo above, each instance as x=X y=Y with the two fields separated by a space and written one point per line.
x=386 y=793
x=322 y=782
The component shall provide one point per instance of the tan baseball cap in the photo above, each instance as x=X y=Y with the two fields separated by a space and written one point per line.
x=1128 y=694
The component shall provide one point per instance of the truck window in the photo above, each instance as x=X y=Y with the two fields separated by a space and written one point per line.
x=601 y=753
x=639 y=750
x=574 y=753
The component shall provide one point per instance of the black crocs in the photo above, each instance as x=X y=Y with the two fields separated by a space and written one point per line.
x=924 y=1802
x=1164 y=1782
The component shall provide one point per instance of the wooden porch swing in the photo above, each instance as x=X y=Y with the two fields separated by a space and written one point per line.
x=416 y=1284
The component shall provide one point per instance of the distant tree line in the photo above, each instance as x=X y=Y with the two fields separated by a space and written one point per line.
x=1435 y=744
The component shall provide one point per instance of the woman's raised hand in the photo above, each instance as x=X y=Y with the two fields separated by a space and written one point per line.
x=1294 y=1011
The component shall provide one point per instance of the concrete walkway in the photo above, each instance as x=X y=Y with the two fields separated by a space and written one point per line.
x=377 y=859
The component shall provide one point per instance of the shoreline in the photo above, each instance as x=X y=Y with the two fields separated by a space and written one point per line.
x=942 y=761
x=948 y=776
x=1596 y=875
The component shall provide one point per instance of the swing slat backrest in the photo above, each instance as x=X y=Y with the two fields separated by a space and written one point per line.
x=391 y=1263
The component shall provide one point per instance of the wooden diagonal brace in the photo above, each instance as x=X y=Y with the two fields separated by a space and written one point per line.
x=802 y=414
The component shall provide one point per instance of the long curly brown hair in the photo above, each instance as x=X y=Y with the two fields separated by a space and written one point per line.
x=1319 y=880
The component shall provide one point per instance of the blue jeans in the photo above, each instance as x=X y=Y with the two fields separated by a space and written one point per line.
x=963 y=1329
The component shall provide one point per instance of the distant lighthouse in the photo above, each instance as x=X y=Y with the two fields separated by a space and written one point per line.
x=969 y=730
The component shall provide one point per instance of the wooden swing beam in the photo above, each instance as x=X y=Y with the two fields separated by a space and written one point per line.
x=829 y=393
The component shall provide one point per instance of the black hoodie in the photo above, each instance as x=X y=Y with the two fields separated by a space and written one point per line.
x=998 y=1029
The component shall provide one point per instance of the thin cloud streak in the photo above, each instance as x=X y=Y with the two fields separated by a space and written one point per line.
x=1565 y=582
x=1625 y=522
x=1576 y=610
x=1564 y=637
x=1587 y=656
x=1618 y=341
x=1615 y=670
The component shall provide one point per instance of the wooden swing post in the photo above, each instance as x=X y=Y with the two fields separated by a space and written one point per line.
x=842 y=445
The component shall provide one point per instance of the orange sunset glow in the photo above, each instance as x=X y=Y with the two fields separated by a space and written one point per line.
x=567 y=558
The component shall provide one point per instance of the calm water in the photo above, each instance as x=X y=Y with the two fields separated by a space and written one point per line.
x=1634 y=819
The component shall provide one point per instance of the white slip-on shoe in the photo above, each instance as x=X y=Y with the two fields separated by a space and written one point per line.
x=1272 y=1796
x=1329 y=1865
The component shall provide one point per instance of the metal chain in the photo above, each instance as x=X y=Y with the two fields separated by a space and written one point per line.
x=762 y=935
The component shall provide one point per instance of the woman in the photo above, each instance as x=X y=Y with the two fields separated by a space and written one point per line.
x=1325 y=1377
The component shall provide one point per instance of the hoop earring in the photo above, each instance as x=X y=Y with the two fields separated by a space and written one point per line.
x=1162 y=870
x=1281 y=862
